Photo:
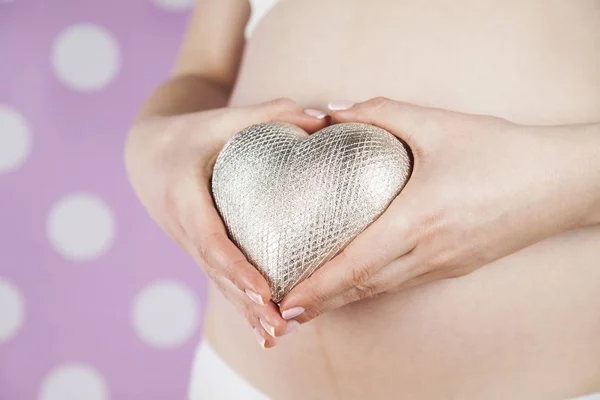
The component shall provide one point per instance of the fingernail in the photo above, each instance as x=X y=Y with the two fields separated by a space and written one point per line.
x=318 y=114
x=255 y=297
x=291 y=325
x=270 y=330
x=259 y=337
x=292 y=312
x=339 y=105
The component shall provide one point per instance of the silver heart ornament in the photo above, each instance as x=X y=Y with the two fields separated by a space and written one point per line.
x=291 y=201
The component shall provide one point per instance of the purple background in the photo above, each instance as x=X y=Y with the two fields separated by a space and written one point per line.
x=80 y=311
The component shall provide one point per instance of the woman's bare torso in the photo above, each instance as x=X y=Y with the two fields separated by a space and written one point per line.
x=526 y=326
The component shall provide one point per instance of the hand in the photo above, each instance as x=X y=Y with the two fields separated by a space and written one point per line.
x=169 y=162
x=481 y=188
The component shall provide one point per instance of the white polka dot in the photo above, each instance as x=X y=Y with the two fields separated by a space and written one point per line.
x=81 y=227
x=12 y=310
x=15 y=141
x=85 y=57
x=165 y=314
x=74 y=381
x=175 y=5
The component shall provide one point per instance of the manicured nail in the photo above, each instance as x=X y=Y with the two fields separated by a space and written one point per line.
x=270 y=330
x=292 y=313
x=339 y=105
x=318 y=114
x=255 y=297
x=291 y=325
x=259 y=337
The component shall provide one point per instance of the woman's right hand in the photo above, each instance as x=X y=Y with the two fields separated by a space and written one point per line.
x=169 y=161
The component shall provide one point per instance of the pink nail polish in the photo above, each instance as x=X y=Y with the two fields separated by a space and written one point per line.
x=340 y=105
x=292 y=312
x=291 y=325
x=318 y=114
x=259 y=337
x=270 y=330
x=255 y=297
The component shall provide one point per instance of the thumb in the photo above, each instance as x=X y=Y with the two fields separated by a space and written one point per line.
x=389 y=237
x=404 y=120
x=281 y=109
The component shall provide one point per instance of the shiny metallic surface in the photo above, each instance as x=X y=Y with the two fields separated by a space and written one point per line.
x=291 y=201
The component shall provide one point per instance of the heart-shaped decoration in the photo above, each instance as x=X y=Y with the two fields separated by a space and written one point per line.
x=291 y=201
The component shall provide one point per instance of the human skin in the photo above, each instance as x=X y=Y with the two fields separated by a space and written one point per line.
x=523 y=326
x=173 y=145
x=169 y=161
x=481 y=188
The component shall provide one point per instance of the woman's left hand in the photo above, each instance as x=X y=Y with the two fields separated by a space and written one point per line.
x=481 y=188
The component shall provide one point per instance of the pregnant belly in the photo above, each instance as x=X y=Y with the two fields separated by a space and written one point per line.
x=525 y=326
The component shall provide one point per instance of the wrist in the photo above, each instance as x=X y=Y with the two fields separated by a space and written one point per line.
x=146 y=139
x=590 y=151
x=579 y=148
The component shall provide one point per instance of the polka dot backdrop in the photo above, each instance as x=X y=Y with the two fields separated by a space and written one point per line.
x=95 y=302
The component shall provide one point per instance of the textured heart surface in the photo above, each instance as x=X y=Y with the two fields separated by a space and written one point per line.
x=291 y=201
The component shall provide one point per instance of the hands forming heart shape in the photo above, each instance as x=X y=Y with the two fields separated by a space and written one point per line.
x=336 y=205
x=475 y=179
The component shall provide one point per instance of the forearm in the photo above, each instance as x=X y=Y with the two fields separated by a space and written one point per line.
x=184 y=94
x=209 y=57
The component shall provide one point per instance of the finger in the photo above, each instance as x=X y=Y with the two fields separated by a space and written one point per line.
x=389 y=237
x=271 y=320
x=287 y=110
x=399 y=274
x=307 y=119
x=360 y=292
x=402 y=274
x=432 y=276
x=382 y=281
x=234 y=119
x=203 y=226
x=402 y=119
x=264 y=320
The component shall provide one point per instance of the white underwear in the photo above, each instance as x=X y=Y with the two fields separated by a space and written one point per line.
x=213 y=379
x=258 y=9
